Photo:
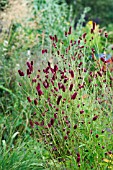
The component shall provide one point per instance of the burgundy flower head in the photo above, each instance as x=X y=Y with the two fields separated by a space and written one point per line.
x=52 y=121
x=71 y=87
x=35 y=101
x=72 y=73
x=46 y=84
x=58 y=100
x=46 y=70
x=84 y=35
x=55 y=68
x=39 y=90
x=38 y=87
x=74 y=96
x=31 y=123
x=30 y=66
x=29 y=100
x=21 y=73
x=95 y=117
x=56 y=39
x=81 y=111
x=70 y=30
x=44 y=51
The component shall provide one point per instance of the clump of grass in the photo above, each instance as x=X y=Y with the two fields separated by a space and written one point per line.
x=27 y=154
x=70 y=102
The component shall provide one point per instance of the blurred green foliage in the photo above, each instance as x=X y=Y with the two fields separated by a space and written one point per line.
x=53 y=18
x=101 y=11
x=3 y=3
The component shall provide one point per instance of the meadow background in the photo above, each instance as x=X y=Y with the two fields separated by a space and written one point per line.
x=56 y=84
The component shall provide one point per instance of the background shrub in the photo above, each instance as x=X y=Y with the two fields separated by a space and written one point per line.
x=101 y=11
x=3 y=3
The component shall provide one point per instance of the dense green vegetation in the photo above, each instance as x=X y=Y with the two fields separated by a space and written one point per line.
x=56 y=92
x=101 y=11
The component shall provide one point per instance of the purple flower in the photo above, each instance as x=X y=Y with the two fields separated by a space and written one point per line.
x=52 y=38
x=99 y=73
x=37 y=123
x=58 y=52
x=34 y=80
x=81 y=86
x=56 y=39
x=29 y=100
x=28 y=72
x=52 y=121
x=46 y=70
x=58 y=100
x=75 y=126
x=55 y=68
x=31 y=123
x=44 y=51
x=21 y=73
x=97 y=135
x=49 y=125
x=63 y=88
x=106 y=35
x=95 y=117
x=102 y=59
x=74 y=96
x=55 y=115
x=54 y=45
x=30 y=66
x=42 y=123
x=46 y=84
x=56 y=89
x=35 y=101
x=70 y=30
x=65 y=137
x=71 y=87
x=84 y=35
x=92 y=31
x=78 y=158
x=72 y=73
x=59 y=85
x=94 y=24
x=65 y=34
x=66 y=79
x=38 y=87
x=39 y=90
x=81 y=111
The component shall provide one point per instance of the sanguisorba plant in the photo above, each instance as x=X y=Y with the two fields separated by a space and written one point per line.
x=72 y=113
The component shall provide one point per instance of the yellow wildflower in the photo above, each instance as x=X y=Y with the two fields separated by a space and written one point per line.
x=90 y=23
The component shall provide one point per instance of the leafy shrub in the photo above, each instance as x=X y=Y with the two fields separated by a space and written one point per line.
x=103 y=17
